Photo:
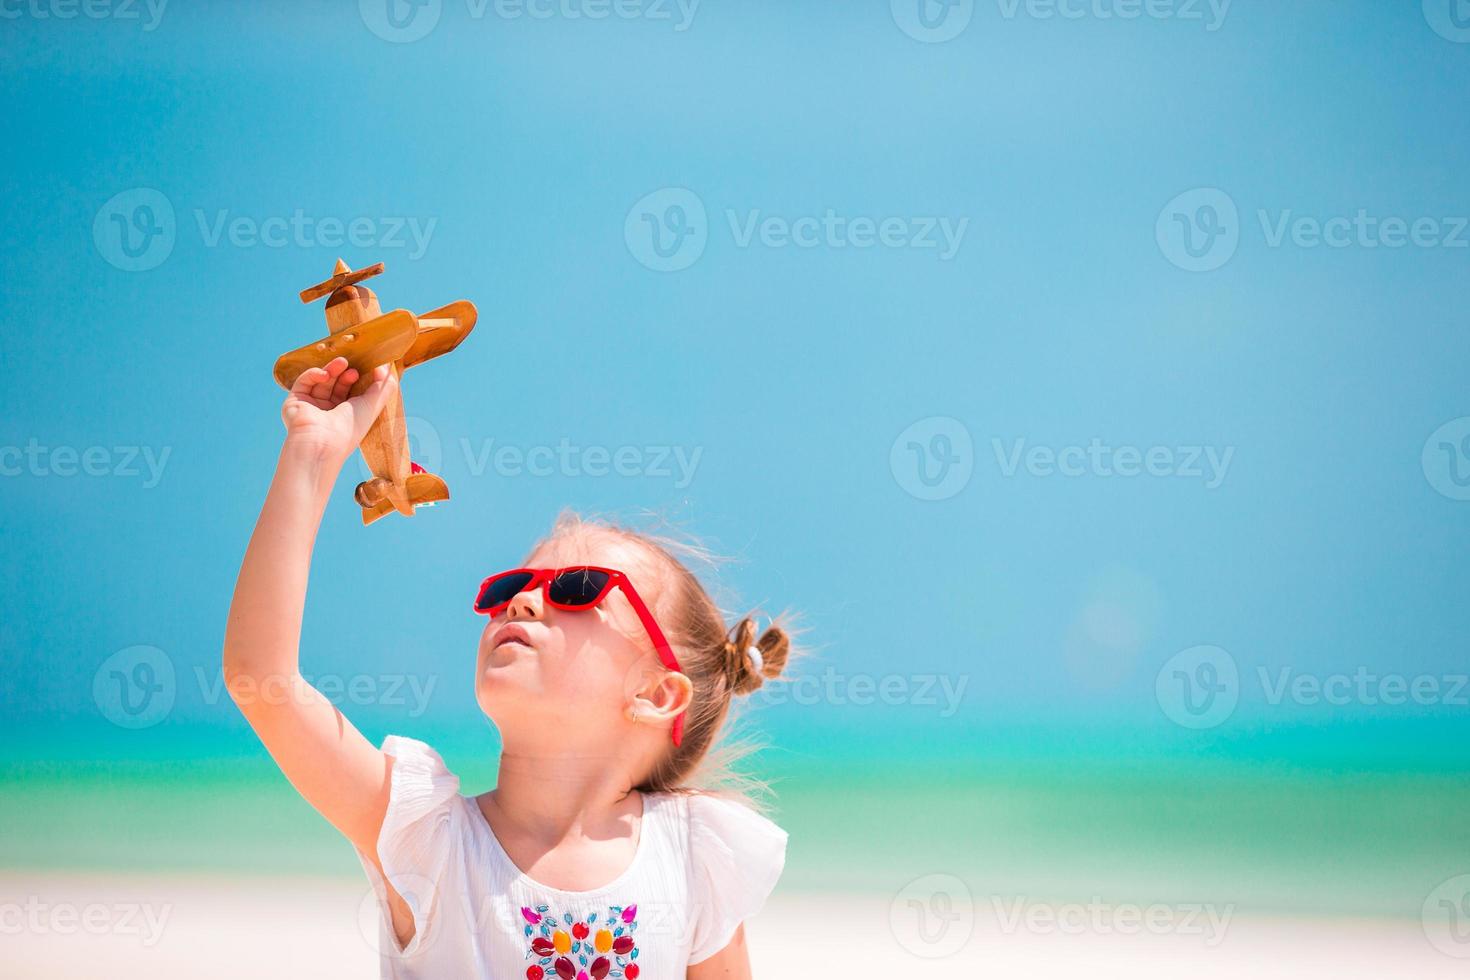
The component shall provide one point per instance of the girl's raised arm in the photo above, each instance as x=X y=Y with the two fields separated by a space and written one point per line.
x=329 y=761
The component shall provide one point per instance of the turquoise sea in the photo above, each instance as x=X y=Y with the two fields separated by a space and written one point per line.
x=1299 y=822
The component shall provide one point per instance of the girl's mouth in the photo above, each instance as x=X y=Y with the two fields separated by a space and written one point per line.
x=512 y=633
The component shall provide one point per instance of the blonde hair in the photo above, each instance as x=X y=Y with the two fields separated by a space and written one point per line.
x=714 y=656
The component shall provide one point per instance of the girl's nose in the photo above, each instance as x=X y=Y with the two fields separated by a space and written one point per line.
x=525 y=605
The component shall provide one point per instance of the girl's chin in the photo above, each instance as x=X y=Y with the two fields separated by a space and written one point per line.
x=506 y=655
x=504 y=684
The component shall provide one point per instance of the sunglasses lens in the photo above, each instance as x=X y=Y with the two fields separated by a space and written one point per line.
x=578 y=586
x=502 y=589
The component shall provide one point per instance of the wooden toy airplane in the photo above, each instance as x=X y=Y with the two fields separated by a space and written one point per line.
x=367 y=337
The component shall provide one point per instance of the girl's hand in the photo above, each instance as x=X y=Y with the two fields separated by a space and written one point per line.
x=319 y=414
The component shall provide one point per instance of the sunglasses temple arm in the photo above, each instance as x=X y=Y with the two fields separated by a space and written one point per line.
x=660 y=642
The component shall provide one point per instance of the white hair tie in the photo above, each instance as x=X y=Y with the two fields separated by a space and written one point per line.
x=757 y=661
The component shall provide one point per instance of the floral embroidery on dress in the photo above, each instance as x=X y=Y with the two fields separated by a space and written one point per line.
x=570 y=949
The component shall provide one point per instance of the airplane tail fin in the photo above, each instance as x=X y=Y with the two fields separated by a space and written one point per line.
x=424 y=490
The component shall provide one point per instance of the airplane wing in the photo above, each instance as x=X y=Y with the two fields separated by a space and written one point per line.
x=378 y=341
x=440 y=331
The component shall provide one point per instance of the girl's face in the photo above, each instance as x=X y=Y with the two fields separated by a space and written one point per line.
x=574 y=677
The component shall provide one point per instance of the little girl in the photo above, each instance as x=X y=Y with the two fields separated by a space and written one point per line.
x=608 y=671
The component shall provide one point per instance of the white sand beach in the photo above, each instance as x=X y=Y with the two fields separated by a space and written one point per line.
x=60 y=926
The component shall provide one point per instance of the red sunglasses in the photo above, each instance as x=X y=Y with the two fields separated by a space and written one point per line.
x=577 y=587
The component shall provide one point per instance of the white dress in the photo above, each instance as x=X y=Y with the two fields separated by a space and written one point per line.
x=703 y=865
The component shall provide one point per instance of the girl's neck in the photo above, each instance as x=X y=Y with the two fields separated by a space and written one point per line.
x=554 y=797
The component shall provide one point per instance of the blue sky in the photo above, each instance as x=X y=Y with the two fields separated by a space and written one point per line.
x=1026 y=295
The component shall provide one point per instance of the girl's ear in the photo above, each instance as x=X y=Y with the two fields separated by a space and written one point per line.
x=663 y=699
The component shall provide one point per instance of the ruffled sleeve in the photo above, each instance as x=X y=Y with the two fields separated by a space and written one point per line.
x=420 y=831
x=736 y=856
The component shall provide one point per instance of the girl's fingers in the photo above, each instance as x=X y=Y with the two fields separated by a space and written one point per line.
x=307 y=380
x=367 y=406
x=317 y=382
x=328 y=386
x=344 y=384
x=333 y=369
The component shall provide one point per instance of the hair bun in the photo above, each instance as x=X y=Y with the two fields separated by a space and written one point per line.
x=749 y=671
